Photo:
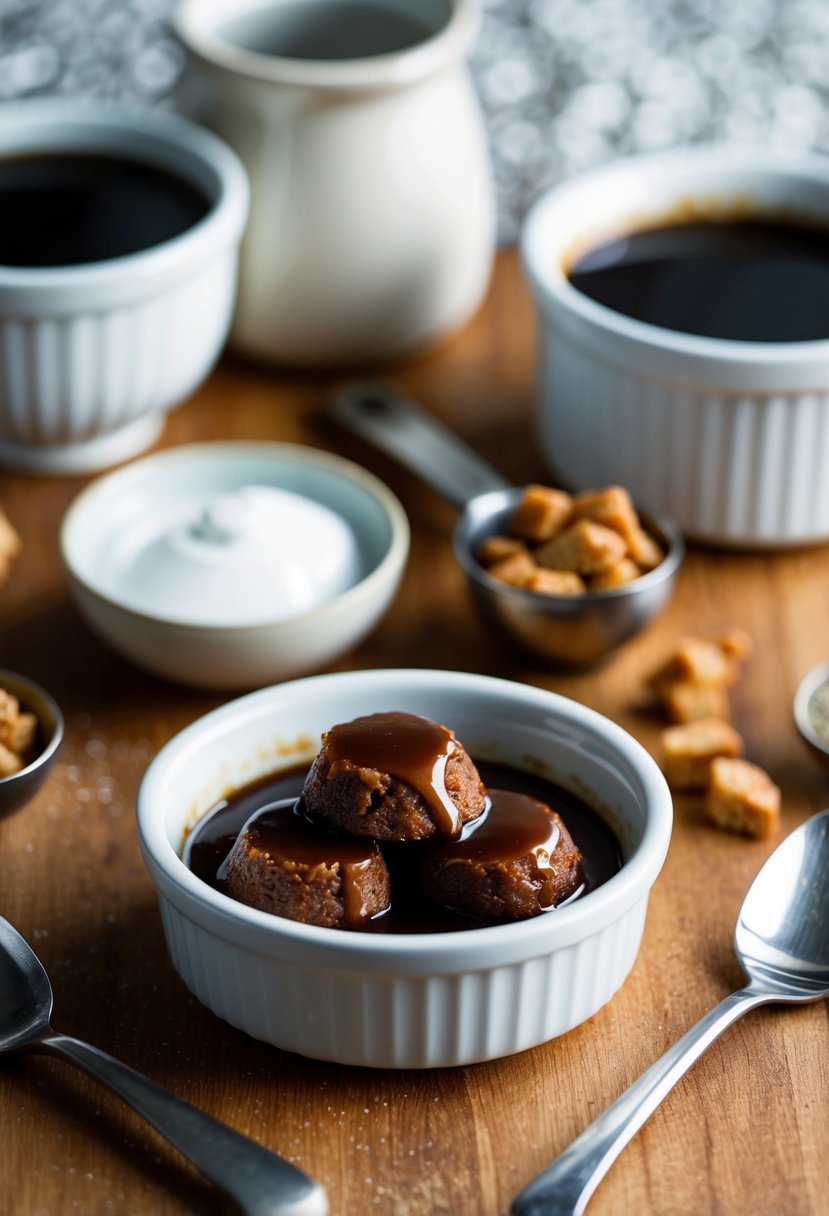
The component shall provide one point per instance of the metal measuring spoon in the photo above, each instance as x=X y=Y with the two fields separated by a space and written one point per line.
x=782 y=942
x=261 y=1183
x=571 y=630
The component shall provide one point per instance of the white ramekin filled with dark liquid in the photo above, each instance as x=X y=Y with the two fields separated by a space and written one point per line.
x=119 y=235
x=684 y=326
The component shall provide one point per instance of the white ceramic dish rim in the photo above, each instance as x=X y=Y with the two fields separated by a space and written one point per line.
x=197 y=22
x=466 y=950
x=810 y=683
x=542 y=249
x=50 y=124
x=87 y=506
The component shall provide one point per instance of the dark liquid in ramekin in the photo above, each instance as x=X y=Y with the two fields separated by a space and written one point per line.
x=70 y=209
x=748 y=280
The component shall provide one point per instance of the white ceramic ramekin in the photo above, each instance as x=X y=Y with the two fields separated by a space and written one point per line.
x=93 y=355
x=730 y=438
x=244 y=645
x=425 y=1000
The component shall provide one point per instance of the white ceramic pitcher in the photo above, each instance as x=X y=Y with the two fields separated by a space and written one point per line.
x=372 y=221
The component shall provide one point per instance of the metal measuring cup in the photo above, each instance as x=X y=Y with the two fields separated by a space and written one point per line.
x=570 y=630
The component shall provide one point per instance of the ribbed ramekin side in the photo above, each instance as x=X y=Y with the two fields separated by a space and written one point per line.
x=733 y=468
x=399 y=1021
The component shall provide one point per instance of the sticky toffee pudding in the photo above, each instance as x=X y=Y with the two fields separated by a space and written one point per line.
x=529 y=846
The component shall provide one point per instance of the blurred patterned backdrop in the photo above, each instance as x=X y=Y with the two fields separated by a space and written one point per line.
x=565 y=84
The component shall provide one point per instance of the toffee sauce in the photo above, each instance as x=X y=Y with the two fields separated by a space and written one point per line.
x=748 y=280
x=279 y=794
x=513 y=826
x=70 y=209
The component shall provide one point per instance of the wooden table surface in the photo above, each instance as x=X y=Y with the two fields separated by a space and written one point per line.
x=746 y=1131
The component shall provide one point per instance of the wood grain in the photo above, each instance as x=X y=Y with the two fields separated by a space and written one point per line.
x=746 y=1131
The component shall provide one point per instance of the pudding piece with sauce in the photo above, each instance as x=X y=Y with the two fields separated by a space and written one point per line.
x=284 y=865
x=514 y=862
x=393 y=776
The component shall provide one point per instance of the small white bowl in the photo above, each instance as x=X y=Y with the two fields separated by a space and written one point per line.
x=93 y=355
x=730 y=438
x=214 y=615
x=813 y=686
x=425 y=1000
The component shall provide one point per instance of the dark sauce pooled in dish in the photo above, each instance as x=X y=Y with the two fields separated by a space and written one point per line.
x=410 y=911
x=750 y=280
x=70 y=209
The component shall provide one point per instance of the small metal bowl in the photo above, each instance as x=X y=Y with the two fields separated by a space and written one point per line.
x=568 y=630
x=20 y=788
x=805 y=700
x=564 y=630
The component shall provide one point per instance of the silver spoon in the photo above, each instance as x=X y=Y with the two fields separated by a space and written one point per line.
x=782 y=942
x=261 y=1183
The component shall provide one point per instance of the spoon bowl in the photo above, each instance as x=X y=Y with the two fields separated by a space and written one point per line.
x=564 y=630
x=782 y=944
x=21 y=787
x=261 y=1183
x=782 y=935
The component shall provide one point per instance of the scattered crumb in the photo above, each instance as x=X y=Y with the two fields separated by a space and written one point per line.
x=689 y=749
x=685 y=701
x=741 y=797
x=702 y=751
x=694 y=680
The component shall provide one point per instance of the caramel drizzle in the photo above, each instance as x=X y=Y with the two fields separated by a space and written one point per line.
x=513 y=826
x=412 y=749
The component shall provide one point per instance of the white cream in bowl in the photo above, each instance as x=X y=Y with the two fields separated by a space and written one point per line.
x=247 y=555
x=232 y=565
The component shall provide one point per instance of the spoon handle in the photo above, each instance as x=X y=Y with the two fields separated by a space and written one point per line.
x=378 y=412
x=565 y=1187
x=261 y=1183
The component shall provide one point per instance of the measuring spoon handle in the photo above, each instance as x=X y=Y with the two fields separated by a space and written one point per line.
x=565 y=1187
x=376 y=411
x=261 y=1183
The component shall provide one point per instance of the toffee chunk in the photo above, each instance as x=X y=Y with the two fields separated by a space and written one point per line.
x=281 y=864
x=393 y=776
x=516 y=862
